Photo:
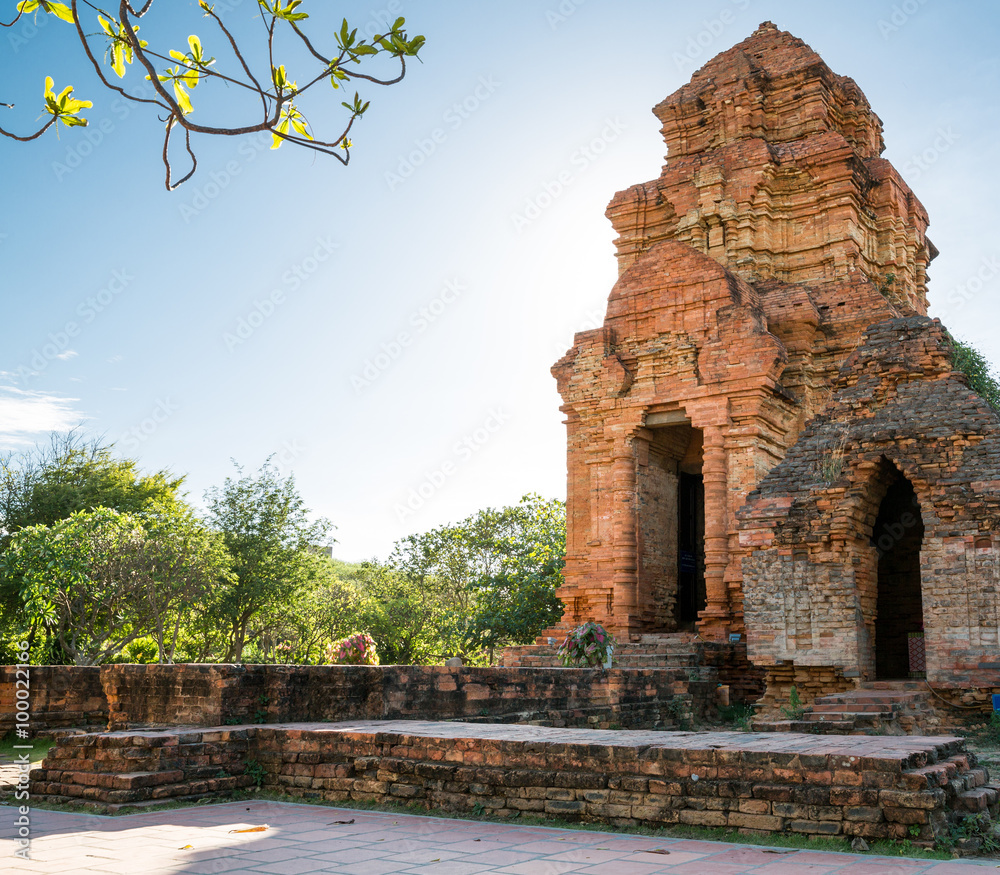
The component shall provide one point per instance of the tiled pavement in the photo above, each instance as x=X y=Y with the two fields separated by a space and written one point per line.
x=305 y=839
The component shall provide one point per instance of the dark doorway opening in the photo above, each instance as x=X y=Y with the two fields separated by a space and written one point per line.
x=690 y=548
x=899 y=619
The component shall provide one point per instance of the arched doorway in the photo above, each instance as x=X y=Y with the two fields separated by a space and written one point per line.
x=897 y=537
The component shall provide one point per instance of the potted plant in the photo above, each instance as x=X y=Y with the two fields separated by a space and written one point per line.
x=356 y=649
x=587 y=646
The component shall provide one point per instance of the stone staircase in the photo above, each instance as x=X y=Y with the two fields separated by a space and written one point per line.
x=142 y=769
x=673 y=650
x=878 y=708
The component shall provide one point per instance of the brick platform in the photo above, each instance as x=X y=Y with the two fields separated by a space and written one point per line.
x=764 y=782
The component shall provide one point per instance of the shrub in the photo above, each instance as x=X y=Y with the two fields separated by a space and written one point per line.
x=356 y=649
x=978 y=371
x=587 y=646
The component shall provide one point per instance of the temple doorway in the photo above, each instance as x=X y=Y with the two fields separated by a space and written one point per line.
x=899 y=622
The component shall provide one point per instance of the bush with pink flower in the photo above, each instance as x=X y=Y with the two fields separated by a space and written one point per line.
x=587 y=646
x=356 y=649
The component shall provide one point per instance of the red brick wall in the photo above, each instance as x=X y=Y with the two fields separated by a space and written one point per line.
x=214 y=695
x=59 y=697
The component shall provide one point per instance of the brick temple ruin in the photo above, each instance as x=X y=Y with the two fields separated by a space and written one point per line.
x=767 y=437
x=768 y=441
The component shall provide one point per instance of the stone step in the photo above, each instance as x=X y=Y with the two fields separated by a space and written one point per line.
x=852 y=708
x=978 y=800
x=901 y=685
x=876 y=698
x=845 y=715
x=112 y=794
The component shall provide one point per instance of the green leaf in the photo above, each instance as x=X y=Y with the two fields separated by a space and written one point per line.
x=59 y=10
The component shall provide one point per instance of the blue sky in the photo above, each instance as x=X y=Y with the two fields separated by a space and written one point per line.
x=386 y=330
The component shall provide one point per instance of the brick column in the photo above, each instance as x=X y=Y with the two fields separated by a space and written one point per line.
x=715 y=619
x=623 y=485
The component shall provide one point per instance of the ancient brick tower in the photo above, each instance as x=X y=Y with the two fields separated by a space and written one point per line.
x=749 y=271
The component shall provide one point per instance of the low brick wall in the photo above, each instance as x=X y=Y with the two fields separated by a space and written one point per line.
x=876 y=787
x=121 y=696
x=220 y=694
x=59 y=696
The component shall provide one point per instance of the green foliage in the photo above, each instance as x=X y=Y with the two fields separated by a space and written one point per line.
x=741 y=716
x=101 y=579
x=73 y=473
x=256 y=772
x=140 y=651
x=973 y=832
x=978 y=371
x=266 y=529
x=251 y=74
x=498 y=569
x=587 y=646
x=795 y=709
x=407 y=618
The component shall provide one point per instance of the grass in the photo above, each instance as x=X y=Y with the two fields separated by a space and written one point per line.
x=775 y=840
x=39 y=747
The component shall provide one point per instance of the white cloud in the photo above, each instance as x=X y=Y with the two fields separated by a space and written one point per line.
x=25 y=416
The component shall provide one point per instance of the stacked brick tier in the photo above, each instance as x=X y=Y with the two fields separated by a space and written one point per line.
x=900 y=414
x=707 y=662
x=778 y=783
x=119 y=769
x=899 y=708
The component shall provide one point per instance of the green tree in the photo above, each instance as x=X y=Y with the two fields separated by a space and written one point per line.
x=266 y=529
x=323 y=609
x=50 y=482
x=102 y=579
x=409 y=618
x=73 y=472
x=498 y=570
x=258 y=88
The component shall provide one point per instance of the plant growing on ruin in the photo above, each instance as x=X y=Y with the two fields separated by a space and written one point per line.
x=256 y=772
x=262 y=94
x=978 y=371
x=831 y=466
x=356 y=649
x=795 y=710
x=587 y=646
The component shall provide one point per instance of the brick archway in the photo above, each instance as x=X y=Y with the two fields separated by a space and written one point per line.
x=897 y=537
